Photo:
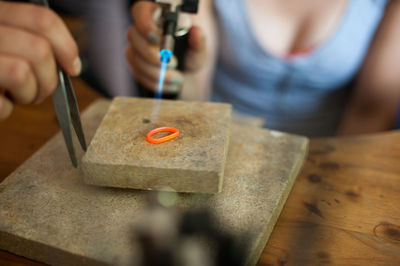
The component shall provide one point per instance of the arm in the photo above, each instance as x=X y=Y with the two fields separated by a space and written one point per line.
x=376 y=99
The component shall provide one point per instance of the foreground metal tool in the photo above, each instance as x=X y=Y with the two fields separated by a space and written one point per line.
x=66 y=107
x=165 y=235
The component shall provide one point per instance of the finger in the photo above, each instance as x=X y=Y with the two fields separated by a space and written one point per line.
x=150 y=71
x=173 y=79
x=196 y=39
x=142 y=47
x=44 y=22
x=37 y=51
x=173 y=63
x=17 y=78
x=6 y=107
x=145 y=81
x=149 y=84
x=196 y=54
x=174 y=86
x=142 y=13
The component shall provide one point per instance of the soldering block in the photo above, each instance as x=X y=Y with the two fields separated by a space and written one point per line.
x=119 y=155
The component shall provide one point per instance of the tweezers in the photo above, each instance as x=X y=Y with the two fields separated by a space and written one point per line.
x=66 y=107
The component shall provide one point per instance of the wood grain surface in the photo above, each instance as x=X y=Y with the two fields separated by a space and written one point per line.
x=344 y=208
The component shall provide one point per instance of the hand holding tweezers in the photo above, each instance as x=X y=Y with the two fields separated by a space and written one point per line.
x=66 y=107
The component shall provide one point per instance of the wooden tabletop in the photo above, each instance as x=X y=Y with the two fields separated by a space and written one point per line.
x=344 y=207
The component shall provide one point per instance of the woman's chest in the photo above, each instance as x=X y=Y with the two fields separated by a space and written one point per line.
x=287 y=26
x=255 y=40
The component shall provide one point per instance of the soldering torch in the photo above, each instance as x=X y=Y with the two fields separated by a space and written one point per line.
x=174 y=33
x=170 y=11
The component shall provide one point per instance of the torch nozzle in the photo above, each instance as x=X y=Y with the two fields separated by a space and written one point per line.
x=165 y=56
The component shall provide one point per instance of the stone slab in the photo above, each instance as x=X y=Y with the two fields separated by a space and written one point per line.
x=120 y=156
x=47 y=212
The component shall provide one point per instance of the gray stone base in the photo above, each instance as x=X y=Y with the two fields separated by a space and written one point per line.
x=49 y=214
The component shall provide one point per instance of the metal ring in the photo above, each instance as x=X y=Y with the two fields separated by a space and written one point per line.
x=175 y=133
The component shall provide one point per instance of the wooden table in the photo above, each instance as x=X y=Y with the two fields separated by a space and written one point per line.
x=343 y=209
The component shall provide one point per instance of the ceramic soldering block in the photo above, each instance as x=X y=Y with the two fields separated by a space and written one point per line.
x=120 y=156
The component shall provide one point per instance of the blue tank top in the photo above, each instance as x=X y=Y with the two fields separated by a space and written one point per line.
x=306 y=95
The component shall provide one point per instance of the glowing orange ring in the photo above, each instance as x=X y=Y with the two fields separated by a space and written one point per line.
x=175 y=133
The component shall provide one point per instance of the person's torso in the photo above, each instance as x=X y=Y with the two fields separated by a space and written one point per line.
x=303 y=94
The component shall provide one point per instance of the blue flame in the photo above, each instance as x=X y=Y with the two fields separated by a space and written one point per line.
x=165 y=57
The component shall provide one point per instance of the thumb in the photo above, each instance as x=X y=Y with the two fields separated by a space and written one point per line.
x=197 y=49
x=196 y=39
x=142 y=14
